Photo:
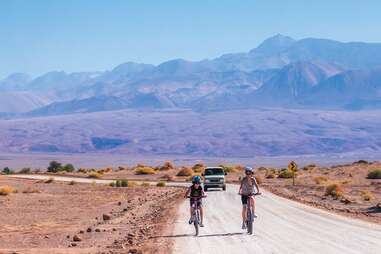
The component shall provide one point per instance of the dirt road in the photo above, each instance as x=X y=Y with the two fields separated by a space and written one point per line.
x=283 y=226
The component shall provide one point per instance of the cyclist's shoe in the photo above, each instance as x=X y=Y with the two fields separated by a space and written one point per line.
x=244 y=225
x=201 y=224
x=190 y=221
x=255 y=216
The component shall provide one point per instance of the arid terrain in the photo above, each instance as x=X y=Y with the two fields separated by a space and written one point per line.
x=53 y=217
x=345 y=189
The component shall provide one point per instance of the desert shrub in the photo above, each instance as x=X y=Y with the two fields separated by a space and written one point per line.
x=124 y=183
x=68 y=168
x=345 y=181
x=30 y=191
x=112 y=184
x=320 y=179
x=25 y=171
x=146 y=184
x=185 y=171
x=334 y=190
x=118 y=183
x=374 y=174
x=6 y=190
x=161 y=184
x=82 y=170
x=239 y=168
x=228 y=169
x=262 y=169
x=198 y=167
x=121 y=168
x=367 y=195
x=361 y=162
x=7 y=171
x=49 y=180
x=285 y=173
x=72 y=182
x=54 y=167
x=270 y=175
x=144 y=171
x=167 y=166
x=132 y=184
x=94 y=174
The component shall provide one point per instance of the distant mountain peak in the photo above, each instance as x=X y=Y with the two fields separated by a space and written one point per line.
x=274 y=44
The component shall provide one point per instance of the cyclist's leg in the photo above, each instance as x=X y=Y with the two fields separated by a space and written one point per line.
x=202 y=214
x=244 y=207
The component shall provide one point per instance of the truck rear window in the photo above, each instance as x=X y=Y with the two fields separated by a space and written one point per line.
x=214 y=171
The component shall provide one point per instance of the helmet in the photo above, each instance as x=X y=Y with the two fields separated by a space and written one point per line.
x=249 y=169
x=196 y=179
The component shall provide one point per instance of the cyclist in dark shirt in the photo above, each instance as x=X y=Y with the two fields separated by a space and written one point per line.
x=196 y=191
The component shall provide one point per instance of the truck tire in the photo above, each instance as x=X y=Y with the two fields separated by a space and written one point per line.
x=205 y=189
x=224 y=188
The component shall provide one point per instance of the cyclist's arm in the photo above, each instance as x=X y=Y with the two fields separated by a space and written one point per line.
x=240 y=188
x=187 y=193
x=256 y=184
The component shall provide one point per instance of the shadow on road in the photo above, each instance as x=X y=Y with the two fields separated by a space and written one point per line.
x=192 y=235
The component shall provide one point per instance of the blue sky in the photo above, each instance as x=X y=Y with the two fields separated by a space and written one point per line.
x=37 y=36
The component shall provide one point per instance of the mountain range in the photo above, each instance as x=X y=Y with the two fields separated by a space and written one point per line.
x=281 y=72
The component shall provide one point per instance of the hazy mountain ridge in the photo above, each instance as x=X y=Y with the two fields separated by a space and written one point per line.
x=279 y=72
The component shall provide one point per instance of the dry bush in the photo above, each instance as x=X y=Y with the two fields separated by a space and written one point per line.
x=285 y=173
x=374 y=174
x=94 y=174
x=50 y=180
x=239 y=168
x=228 y=169
x=6 y=190
x=121 y=168
x=320 y=179
x=144 y=171
x=334 y=190
x=270 y=175
x=198 y=167
x=145 y=184
x=30 y=190
x=82 y=170
x=72 y=182
x=367 y=195
x=167 y=166
x=132 y=184
x=161 y=184
x=185 y=171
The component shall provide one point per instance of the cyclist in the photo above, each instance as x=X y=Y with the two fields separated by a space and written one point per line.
x=196 y=191
x=248 y=187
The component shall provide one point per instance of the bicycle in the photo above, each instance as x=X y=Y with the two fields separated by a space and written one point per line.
x=250 y=213
x=196 y=213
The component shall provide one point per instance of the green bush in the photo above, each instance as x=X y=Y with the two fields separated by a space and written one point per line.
x=374 y=174
x=7 y=171
x=124 y=183
x=160 y=184
x=68 y=168
x=118 y=183
x=54 y=167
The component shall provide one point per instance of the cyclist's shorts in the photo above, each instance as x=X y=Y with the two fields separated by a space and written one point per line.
x=199 y=202
x=244 y=199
